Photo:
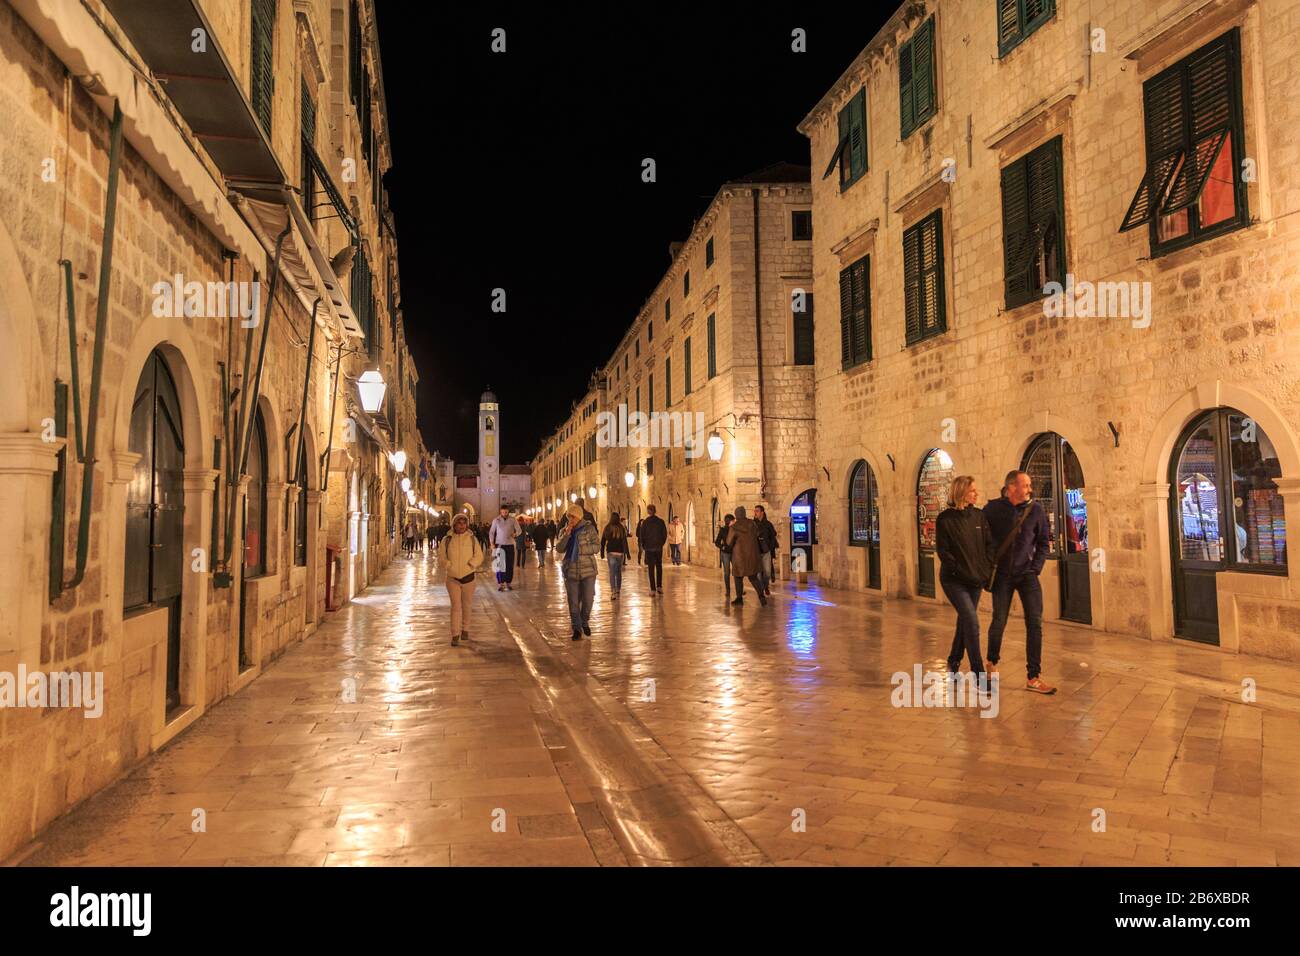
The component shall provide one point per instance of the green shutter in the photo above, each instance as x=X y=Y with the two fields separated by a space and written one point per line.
x=713 y=347
x=907 y=103
x=932 y=299
x=1210 y=92
x=668 y=383
x=846 y=317
x=912 y=283
x=686 y=366
x=861 y=311
x=1033 y=221
x=1015 y=233
x=858 y=133
x=1165 y=114
x=262 y=60
x=1009 y=30
x=804 y=345
x=923 y=71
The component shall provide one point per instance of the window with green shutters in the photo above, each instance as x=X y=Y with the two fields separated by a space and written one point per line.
x=1194 y=147
x=1019 y=18
x=262 y=61
x=362 y=298
x=851 y=152
x=650 y=394
x=713 y=346
x=308 y=129
x=855 y=313
x=923 y=278
x=708 y=253
x=686 y=366
x=1033 y=223
x=803 y=329
x=668 y=383
x=916 y=83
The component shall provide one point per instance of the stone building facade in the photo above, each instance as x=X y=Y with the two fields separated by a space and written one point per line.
x=975 y=152
x=196 y=564
x=725 y=344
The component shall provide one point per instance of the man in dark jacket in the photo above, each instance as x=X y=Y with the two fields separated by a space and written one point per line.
x=651 y=536
x=766 y=548
x=1017 y=572
x=540 y=533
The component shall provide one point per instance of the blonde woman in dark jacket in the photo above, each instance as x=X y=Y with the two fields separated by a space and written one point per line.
x=964 y=543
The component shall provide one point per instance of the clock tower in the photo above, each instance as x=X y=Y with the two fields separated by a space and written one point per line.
x=489 y=455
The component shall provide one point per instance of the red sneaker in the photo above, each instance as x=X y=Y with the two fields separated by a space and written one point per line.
x=1040 y=686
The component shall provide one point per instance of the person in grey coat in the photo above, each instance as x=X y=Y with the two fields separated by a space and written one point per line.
x=579 y=543
x=745 y=559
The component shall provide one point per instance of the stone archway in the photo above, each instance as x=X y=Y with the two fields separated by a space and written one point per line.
x=172 y=339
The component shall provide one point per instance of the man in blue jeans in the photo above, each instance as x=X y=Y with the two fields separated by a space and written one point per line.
x=1022 y=540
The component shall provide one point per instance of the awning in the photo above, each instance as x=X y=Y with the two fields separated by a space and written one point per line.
x=302 y=260
x=201 y=83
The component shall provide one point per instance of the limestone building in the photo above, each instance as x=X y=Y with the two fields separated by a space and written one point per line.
x=1139 y=156
x=198 y=285
x=724 y=345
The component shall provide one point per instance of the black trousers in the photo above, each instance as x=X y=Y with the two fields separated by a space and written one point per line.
x=740 y=586
x=654 y=566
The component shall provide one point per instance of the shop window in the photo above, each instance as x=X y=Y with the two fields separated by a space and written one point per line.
x=923 y=278
x=1017 y=19
x=1033 y=224
x=933 y=484
x=916 y=86
x=864 y=518
x=1194 y=146
x=851 y=151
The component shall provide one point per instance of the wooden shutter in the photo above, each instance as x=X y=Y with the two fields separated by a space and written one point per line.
x=907 y=103
x=912 y=283
x=686 y=365
x=262 y=61
x=713 y=347
x=923 y=71
x=858 y=133
x=1165 y=115
x=1211 y=92
x=308 y=115
x=668 y=383
x=846 y=317
x=1009 y=29
x=1015 y=232
x=861 y=319
x=932 y=275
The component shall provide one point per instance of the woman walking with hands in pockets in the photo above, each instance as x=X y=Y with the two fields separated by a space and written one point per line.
x=964 y=544
x=461 y=556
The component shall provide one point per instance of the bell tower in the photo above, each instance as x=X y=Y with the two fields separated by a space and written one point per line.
x=489 y=455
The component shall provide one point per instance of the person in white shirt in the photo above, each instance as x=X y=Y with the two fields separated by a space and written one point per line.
x=502 y=534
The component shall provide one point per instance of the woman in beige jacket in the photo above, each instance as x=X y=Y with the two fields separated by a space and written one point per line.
x=461 y=556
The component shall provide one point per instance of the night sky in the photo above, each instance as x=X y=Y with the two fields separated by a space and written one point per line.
x=522 y=171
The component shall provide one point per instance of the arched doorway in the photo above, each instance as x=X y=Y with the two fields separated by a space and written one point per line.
x=690 y=529
x=864 y=518
x=254 y=563
x=154 y=562
x=933 y=483
x=1057 y=477
x=1226 y=514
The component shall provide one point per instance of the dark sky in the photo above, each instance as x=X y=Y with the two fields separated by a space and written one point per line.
x=522 y=171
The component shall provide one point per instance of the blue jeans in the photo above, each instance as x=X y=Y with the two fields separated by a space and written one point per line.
x=765 y=570
x=1031 y=602
x=726 y=570
x=677 y=553
x=616 y=571
x=582 y=594
x=965 y=598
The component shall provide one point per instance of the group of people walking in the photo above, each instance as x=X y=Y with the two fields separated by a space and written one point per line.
x=1001 y=549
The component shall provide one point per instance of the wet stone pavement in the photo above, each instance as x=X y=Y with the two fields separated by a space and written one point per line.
x=687 y=731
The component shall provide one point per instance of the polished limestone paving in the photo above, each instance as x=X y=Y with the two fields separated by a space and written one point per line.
x=687 y=731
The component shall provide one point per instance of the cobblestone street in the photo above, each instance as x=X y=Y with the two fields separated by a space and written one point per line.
x=687 y=731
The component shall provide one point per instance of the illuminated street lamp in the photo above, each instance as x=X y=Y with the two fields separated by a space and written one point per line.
x=398 y=458
x=406 y=484
x=714 y=446
x=371 y=387
x=629 y=479
x=573 y=497
x=591 y=492
x=410 y=497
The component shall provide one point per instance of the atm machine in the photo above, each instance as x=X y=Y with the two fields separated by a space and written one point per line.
x=803 y=527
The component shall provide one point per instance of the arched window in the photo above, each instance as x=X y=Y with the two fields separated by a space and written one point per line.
x=255 y=502
x=864 y=518
x=154 y=559
x=300 y=511
x=933 y=484
x=1057 y=476
x=1226 y=513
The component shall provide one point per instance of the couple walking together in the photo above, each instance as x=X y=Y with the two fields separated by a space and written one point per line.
x=1002 y=549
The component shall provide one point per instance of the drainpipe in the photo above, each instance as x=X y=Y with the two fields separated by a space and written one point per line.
x=758 y=342
x=97 y=366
